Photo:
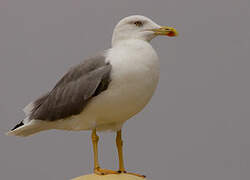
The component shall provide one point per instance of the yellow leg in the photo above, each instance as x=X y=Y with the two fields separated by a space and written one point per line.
x=119 y=144
x=97 y=169
x=95 y=139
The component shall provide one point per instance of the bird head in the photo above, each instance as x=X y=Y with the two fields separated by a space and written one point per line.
x=140 y=27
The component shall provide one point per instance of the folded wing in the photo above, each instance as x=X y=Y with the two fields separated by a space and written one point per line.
x=73 y=91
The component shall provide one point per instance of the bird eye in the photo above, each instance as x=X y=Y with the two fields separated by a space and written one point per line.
x=138 y=23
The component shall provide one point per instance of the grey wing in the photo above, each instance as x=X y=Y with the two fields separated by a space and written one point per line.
x=73 y=91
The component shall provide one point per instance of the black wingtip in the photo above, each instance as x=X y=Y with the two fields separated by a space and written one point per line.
x=18 y=125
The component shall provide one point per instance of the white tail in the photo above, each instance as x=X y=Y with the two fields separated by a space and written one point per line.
x=28 y=129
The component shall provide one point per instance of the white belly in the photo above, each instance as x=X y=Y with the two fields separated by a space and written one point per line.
x=134 y=77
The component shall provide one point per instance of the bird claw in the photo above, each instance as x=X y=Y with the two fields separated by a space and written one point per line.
x=134 y=174
x=100 y=171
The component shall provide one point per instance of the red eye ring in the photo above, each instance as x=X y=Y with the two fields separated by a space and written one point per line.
x=138 y=23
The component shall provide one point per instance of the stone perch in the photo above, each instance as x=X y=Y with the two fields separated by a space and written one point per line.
x=109 y=177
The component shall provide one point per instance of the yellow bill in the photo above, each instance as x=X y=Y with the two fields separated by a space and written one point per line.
x=165 y=31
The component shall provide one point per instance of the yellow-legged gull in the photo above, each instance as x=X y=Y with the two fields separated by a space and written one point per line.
x=103 y=91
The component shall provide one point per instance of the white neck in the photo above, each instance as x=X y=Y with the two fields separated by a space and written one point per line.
x=118 y=37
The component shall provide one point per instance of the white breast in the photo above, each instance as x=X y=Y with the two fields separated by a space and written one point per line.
x=134 y=77
x=135 y=73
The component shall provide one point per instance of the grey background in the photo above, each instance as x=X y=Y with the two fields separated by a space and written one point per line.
x=197 y=125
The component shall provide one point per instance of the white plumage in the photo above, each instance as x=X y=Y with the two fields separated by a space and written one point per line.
x=134 y=77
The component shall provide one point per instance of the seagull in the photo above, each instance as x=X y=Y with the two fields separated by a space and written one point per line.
x=103 y=91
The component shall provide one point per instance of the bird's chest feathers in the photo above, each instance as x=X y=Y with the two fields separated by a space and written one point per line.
x=134 y=62
x=135 y=71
